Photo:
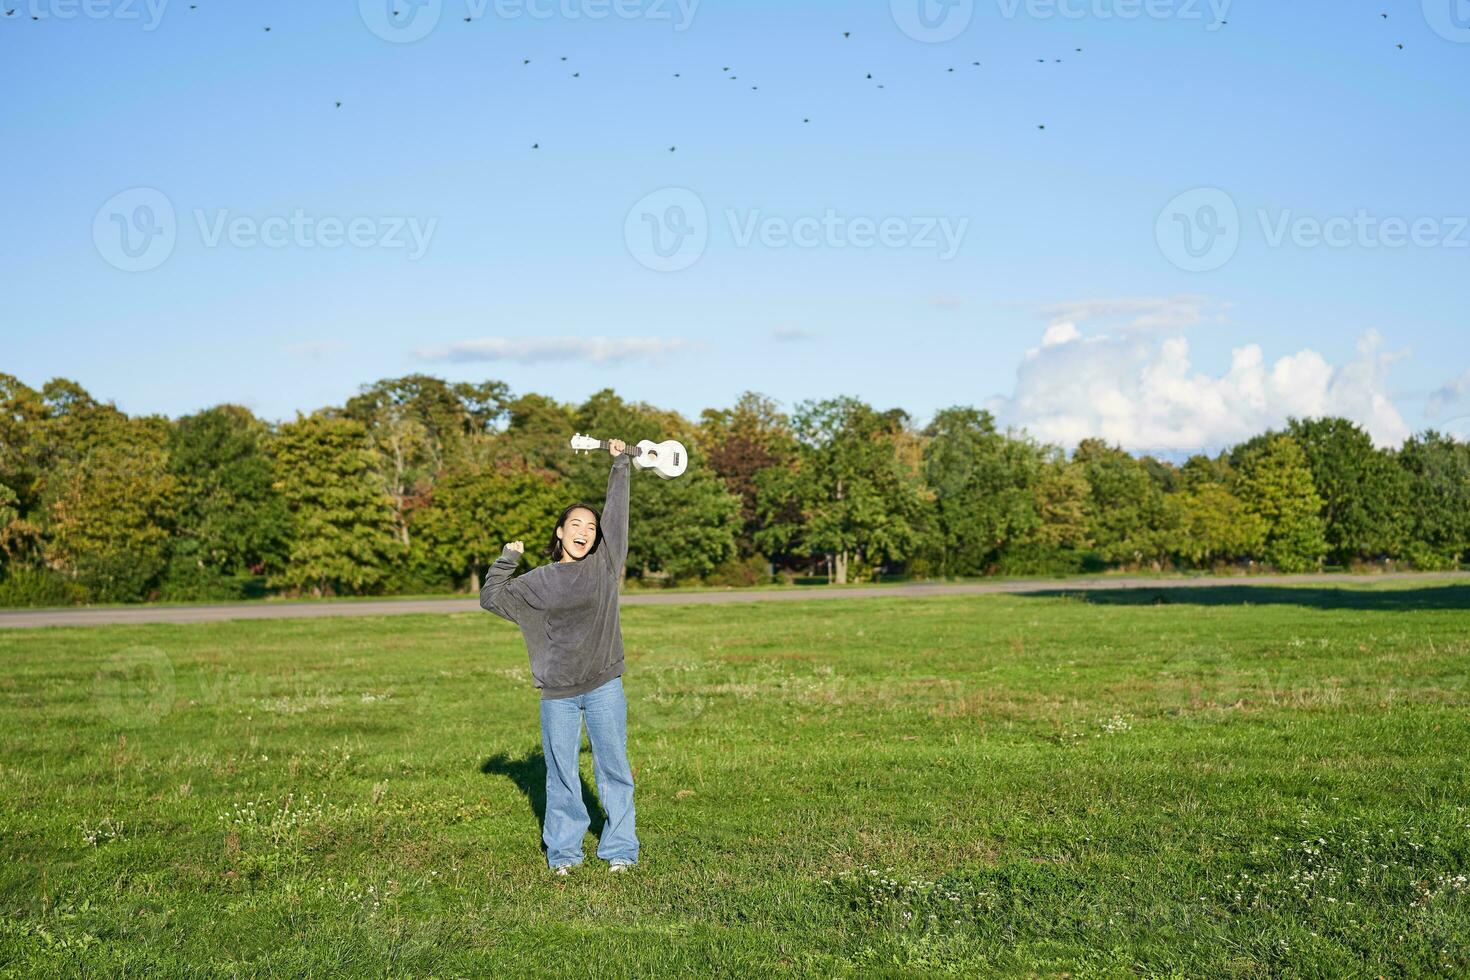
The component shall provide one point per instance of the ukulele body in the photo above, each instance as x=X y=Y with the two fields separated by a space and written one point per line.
x=668 y=458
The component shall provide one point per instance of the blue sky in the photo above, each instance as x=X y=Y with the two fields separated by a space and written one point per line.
x=533 y=265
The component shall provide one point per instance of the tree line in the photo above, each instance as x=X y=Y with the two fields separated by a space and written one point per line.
x=415 y=483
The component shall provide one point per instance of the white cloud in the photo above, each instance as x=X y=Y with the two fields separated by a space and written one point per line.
x=1454 y=393
x=787 y=335
x=1138 y=389
x=541 y=350
x=1141 y=312
x=1059 y=333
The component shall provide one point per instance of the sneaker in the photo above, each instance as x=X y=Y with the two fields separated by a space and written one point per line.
x=618 y=864
x=563 y=869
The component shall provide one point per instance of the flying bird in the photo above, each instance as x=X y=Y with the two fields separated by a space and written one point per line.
x=847 y=33
x=535 y=146
x=671 y=149
x=339 y=105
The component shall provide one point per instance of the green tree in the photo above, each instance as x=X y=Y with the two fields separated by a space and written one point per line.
x=742 y=441
x=1200 y=470
x=230 y=521
x=110 y=515
x=341 y=522
x=1275 y=484
x=984 y=485
x=76 y=423
x=23 y=415
x=1062 y=492
x=539 y=432
x=474 y=511
x=9 y=519
x=1125 y=505
x=855 y=494
x=1439 y=506
x=1164 y=474
x=1211 y=524
x=418 y=425
x=1365 y=494
x=680 y=528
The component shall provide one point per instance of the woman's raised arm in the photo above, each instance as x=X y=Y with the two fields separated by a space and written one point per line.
x=615 y=514
x=499 y=594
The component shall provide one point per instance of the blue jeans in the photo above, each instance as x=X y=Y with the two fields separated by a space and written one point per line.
x=606 y=711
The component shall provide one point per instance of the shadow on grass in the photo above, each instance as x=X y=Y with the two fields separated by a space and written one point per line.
x=1375 y=600
x=529 y=774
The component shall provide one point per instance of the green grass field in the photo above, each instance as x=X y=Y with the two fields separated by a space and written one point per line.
x=1238 y=781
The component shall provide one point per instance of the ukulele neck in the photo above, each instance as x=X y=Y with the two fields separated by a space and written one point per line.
x=628 y=449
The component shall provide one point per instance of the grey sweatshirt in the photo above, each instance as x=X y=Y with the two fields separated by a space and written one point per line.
x=568 y=611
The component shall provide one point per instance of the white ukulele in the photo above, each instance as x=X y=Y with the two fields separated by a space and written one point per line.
x=668 y=458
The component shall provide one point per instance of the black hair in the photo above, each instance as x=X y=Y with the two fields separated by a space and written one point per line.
x=553 y=550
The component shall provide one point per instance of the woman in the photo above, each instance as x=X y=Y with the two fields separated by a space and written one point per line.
x=568 y=614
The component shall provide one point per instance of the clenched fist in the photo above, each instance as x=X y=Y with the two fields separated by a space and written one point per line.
x=615 y=446
x=516 y=546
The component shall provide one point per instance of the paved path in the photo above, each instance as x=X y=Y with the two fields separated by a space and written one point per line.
x=266 y=609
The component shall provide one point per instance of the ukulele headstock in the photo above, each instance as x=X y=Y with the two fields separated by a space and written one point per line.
x=584 y=444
